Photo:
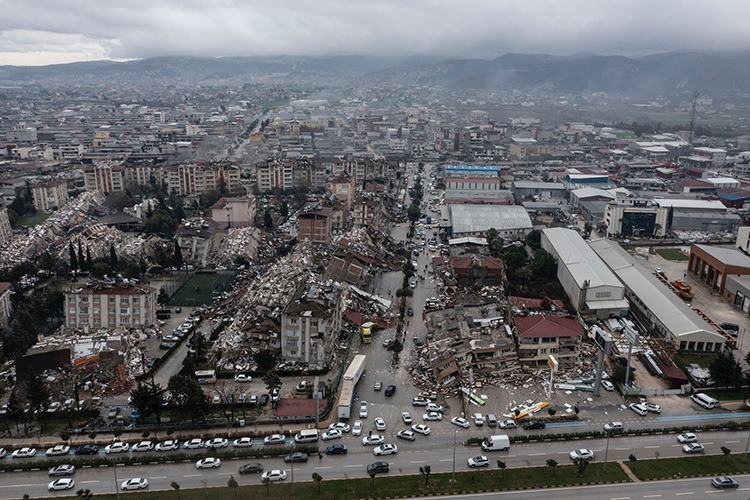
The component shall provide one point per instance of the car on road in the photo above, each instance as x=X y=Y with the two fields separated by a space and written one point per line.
x=339 y=426
x=385 y=449
x=243 y=442
x=242 y=378
x=533 y=424
x=654 y=408
x=331 y=434
x=432 y=416
x=363 y=409
x=693 y=448
x=406 y=417
x=460 y=422
x=687 y=437
x=582 y=454
x=275 y=394
x=435 y=407
x=337 y=449
x=193 y=444
x=136 y=483
x=251 y=468
x=478 y=419
x=410 y=311
x=379 y=424
x=208 y=463
x=24 y=452
x=420 y=401
x=639 y=409
x=507 y=424
x=378 y=467
x=421 y=429
x=263 y=399
x=296 y=457
x=357 y=428
x=113 y=412
x=373 y=439
x=378 y=385
x=478 y=461
x=65 y=483
x=390 y=390
x=142 y=446
x=87 y=449
x=167 y=345
x=608 y=385
x=406 y=434
x=730 y=327
x=3 y=452
x=273 y=475
x=613 y=426
x=216 y=443
x=116 y=447
x=62 y=470
x=274 y=439
x=168 y=445
x=722 y=482
x=57 y=450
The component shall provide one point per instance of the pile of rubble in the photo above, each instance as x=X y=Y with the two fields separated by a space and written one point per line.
x=99 y=238
x=238 y=242
x=50 y=234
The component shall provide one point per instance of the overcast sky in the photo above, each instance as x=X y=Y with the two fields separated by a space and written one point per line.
x=34 y=32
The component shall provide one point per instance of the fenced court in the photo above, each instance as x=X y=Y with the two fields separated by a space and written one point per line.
x=200 y=288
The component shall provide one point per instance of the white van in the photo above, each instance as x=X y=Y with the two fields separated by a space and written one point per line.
x=307 y=436
x=498 y=442
x=705 y=401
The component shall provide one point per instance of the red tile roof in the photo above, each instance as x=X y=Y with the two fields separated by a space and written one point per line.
x=547 y=326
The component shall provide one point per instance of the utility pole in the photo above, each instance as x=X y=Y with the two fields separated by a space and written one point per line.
x=691 y=127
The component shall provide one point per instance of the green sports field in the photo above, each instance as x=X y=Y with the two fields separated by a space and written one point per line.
x=199 y=289
x=671 y=254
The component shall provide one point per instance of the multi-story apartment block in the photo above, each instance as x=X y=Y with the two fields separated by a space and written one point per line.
x=5 y=306
x=113 y=305
x=107 y=178
x=310 y=323
x=6 y=233
x=49 y=195
x=315 y=225
x=234 y=212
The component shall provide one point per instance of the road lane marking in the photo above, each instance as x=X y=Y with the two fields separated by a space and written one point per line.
x=419 y=462
x=538 y=454
x=651 y=496
x=358 y=465
x=685 y=493
x=623 y=449
x=18 y=485
x=323 y=468
x=445 y=460
x=91 y=481
x=651 y=447
x=191 y=475
x=157 y=477
x=620 y=498
x=728 y=442
x=223 y=473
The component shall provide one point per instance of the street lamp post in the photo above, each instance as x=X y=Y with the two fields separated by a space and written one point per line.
x=117 y=485
x=453 y=474
x=748 y=444
x=606 y=451
x=292 y=462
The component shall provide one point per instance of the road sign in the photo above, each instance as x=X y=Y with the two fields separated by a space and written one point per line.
x=552 y=362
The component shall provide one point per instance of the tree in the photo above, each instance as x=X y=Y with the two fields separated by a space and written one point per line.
x=725 y=370
x=544 y=264
x=272 y=380
x=232 y=483
x=265 y=360
x=726 y=451
x=502 y=466
x=147 y=399
x=189 y=394
x=163 y=297
x=317 y=478
x=267 y=220
x=89 y=261
x=284 y=210
x=425 y=471
x=581 y=466
x=372 y=473
x=267 y=482
x=177 y=256
x=534 y=239
x=176 y=486
x=552 y=464
x=73 y=258
x=85 y=494
x=413 y=213
x=81 y=258
x=112 y=257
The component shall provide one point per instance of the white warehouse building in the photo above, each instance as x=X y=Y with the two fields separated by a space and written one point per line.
x=593 y=289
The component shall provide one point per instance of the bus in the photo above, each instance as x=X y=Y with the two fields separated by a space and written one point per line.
x=205 y=376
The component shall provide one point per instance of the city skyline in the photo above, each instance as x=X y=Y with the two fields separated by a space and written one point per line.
x=69 y=31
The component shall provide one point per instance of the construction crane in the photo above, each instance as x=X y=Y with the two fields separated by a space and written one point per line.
x=691 y=128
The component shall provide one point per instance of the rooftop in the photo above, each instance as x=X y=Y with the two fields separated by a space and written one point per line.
x=547 y=326
x=480 y=218
x=728 y=256
x=580 y=260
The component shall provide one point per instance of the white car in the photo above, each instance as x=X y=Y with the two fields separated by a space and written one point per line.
x=421 y=429
x=582 y=454
x=432 y=416
x=241 y=377
x=434 y=407
x=216 y=443
x=406 y=434
x=60 y=449
x=168 y=445
x=372 y=439
x=363 y=409
x=118 y=447
x=420 y=401
x=340 y=426
x=65 y=483
x=273 y=475
x=461 y=422
x=406 y=417
x=693 y=448
x=193 y=444
x=208 y=463
x=613 y=426
x=243 y=442
x=652 y=407
x=639 y=409
x=136 y=483
x=62 y=470
x=478 y=419
x=507 y=424
x=478 y=461
x=357 y=428
x=274 y=439
x=687 y=437
x=142 y=446
x=386 y=449
x=379 y=424
x=2 y=452
x=25 y=452
x=54 y=406
x=608 y=385
x=331 y=434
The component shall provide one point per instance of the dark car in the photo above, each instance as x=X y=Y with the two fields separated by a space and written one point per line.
x=253 y=468
x=410 y=311
x=378 y=467
x=533 y=424
x=167 y=345
x=296 y=457
x=336 y=449
x=390 y=390
x=263 y=399
x=722 y=482
x=87 y=449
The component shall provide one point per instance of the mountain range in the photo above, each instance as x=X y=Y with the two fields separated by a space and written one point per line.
x=721 y=75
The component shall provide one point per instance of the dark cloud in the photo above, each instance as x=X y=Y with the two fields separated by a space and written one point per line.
x=48 y=31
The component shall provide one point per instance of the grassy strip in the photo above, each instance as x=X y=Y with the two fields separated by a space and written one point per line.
x=704 y=465
x=671 y=254
x=385 y=485
x=33 y=220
